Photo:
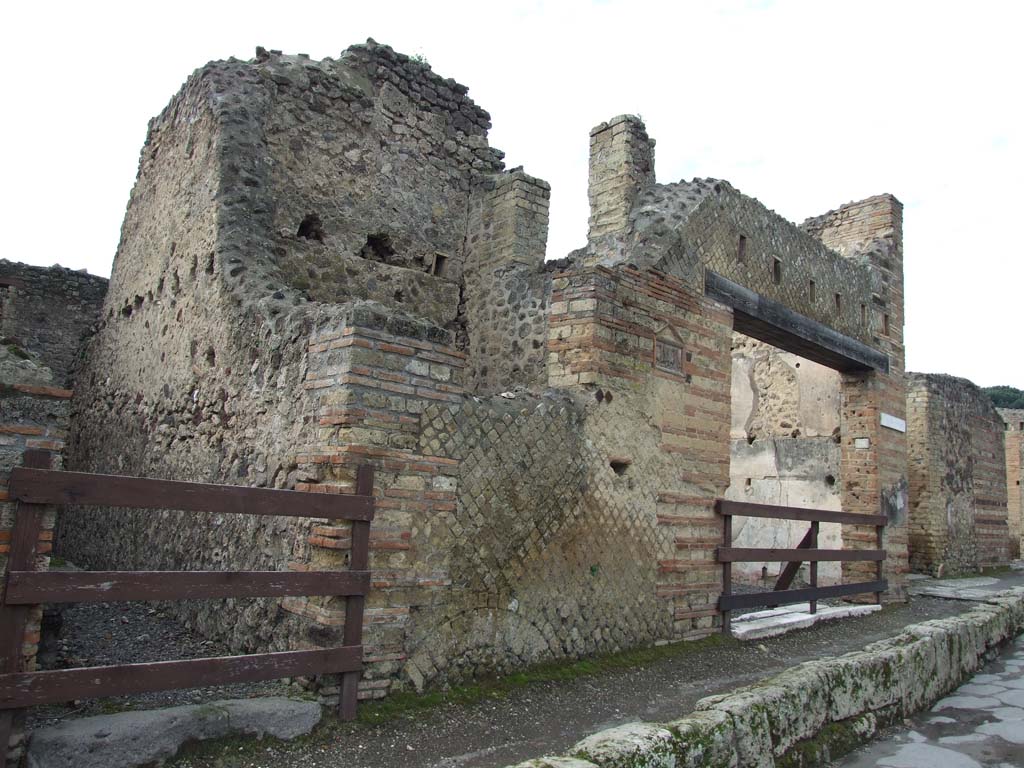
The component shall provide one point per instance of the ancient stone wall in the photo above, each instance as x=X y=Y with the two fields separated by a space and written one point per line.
x=48 y=312
x=323 y=264
x=958 y=519
x=1014 y=448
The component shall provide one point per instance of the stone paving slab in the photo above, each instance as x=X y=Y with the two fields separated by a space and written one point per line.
x=979 y=724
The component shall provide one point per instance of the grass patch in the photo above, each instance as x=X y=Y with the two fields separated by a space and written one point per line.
x=406 y=702
x=235 y=751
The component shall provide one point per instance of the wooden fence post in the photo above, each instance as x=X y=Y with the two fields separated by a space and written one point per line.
x=727 y=574
x=28 y=523
x=354 y=604
x=814 y=564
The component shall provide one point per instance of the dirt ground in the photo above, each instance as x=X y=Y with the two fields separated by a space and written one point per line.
x=546 y=718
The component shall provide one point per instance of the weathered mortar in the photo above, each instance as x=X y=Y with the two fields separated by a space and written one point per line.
x=958 y=490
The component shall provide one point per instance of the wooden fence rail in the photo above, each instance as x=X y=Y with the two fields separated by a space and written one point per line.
x=806 y=551
x=34 y=485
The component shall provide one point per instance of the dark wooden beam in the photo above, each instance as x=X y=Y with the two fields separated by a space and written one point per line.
x=751 y=555
x=776 y=324
x=29 y=689
x=788 y=596
x=748 y=509
x=40 y=486
x=28 y=588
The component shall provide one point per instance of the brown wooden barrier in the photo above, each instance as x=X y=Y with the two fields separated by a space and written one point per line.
x=34 y=486
x=806 y=551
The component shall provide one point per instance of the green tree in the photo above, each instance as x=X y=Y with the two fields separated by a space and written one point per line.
x=1005 y=397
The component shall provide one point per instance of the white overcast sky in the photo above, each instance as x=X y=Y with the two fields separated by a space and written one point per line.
x=803 y=105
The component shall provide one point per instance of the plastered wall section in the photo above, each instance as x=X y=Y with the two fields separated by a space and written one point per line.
x=1014 y=447
x=784 y=450
x=958 y=478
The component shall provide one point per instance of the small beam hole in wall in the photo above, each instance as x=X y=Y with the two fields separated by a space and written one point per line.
x=440 y=265
x=741 y=249
x=619 y=465
x=399 y=296
x=777 y=271
x=311 y=228
x=830 y=480
x=748 y=482
x=378 y=248
x=811 y=290
x=839 y=302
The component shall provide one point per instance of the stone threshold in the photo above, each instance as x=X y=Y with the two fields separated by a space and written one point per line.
x=779 y=621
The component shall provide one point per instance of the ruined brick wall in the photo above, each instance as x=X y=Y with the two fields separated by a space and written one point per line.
x=685 y=227
x=653 y=354
x=784 y=450
x=48 y=311
x=874 y=454
x=34 y=415
x=958 y=518
x=1014 y=449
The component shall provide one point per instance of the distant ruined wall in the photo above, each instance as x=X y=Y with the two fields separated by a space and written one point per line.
x=1014 y=447
x=48 y=311
x=958 y=509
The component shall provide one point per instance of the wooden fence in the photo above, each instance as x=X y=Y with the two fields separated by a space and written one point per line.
x=806 y=551
x=34 y=486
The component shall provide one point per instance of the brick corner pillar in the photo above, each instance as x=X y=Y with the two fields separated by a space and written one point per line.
x=874 y=408
x=621 y=166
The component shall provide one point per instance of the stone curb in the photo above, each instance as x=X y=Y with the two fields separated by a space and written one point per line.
x=816 y=711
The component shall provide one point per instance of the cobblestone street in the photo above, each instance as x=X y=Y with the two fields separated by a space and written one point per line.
x=980 y=724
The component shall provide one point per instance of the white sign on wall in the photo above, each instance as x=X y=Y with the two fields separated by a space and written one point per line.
x=892 y=422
